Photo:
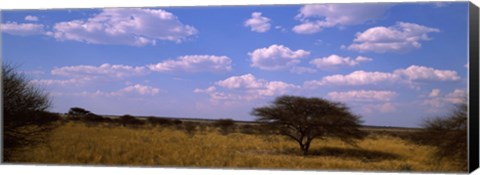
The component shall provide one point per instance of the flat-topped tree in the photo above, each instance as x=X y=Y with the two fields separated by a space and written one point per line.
x=305 y=119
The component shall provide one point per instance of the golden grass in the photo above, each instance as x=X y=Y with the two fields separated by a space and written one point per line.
x=75 y=143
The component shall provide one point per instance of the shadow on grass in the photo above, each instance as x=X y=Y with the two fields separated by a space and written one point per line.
x=355 y=153
x=349 y=153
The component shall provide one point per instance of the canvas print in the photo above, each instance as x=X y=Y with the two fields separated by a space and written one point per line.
x=323 y=87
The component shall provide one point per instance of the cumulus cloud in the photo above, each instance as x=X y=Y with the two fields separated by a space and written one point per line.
x=415 y=72
x=457 y=96
x=335 y=60
x=31 y=18
x=316 y=17
x=401 y=37
x=276 y=57
x=437 y=100
x=410 y=75
x=362 y=95
x=244 y=81
x=22 y=29
x=194 y=63
x=104 y=70
x=136 y=89
x=126 y=26
x=245 y=87
x=139 y=89
x=355 y=78
x=83 y=74
x=258 y=23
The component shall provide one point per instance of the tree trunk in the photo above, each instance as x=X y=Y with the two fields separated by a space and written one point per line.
x=304 y=147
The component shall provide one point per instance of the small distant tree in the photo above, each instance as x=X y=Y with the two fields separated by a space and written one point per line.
x=305 y=119
x=449 y=134
x=159 y=121
x=129 y=120
x=25 y=117
x=226 y=126
x=77 y=113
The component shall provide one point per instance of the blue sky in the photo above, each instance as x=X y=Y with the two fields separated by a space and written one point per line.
x=392 y=64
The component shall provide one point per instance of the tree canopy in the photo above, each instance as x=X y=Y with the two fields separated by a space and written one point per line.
x=305 y=119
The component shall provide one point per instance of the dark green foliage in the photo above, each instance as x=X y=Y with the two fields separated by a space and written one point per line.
x=160 y=121
x=177 y=122
x=128 y=120
x=226 y=126
x=449 y=135
x=76 y=113
x=304 y=119
x=25 y=119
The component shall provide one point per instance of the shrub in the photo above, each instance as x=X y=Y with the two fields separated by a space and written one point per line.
x=226 y=126
x=128 y=120
x=449 y=135
x=24 y=106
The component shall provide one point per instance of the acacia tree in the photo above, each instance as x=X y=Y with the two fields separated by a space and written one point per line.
x=78 y=112
x=305 y=119
x=25 y=117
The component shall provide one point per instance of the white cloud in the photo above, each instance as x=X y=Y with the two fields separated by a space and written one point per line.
x=208 y=90
x=194 y=63
x=258 y=23
x=437 y=101
x=398 y=38
x=362 y=95
x=23 y=29
x=246 y=87
x=410 y=75
x=68 y=82
x=140 y=89
x=457 y=96
x=355 y=78
x=126 y=26
x=335 y=60
x=31 y=18
x=243 y=81
x=276 y=57
x=318 y=16
x=415 y=72
x=106 y=70
x=133 y=89
x=434 y=93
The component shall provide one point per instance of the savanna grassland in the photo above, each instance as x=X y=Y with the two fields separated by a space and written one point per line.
x=80 y=143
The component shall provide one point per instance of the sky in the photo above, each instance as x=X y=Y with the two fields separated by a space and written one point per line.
x=393 y=64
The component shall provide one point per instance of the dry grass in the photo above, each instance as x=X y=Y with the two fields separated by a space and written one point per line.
x=76 y=143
